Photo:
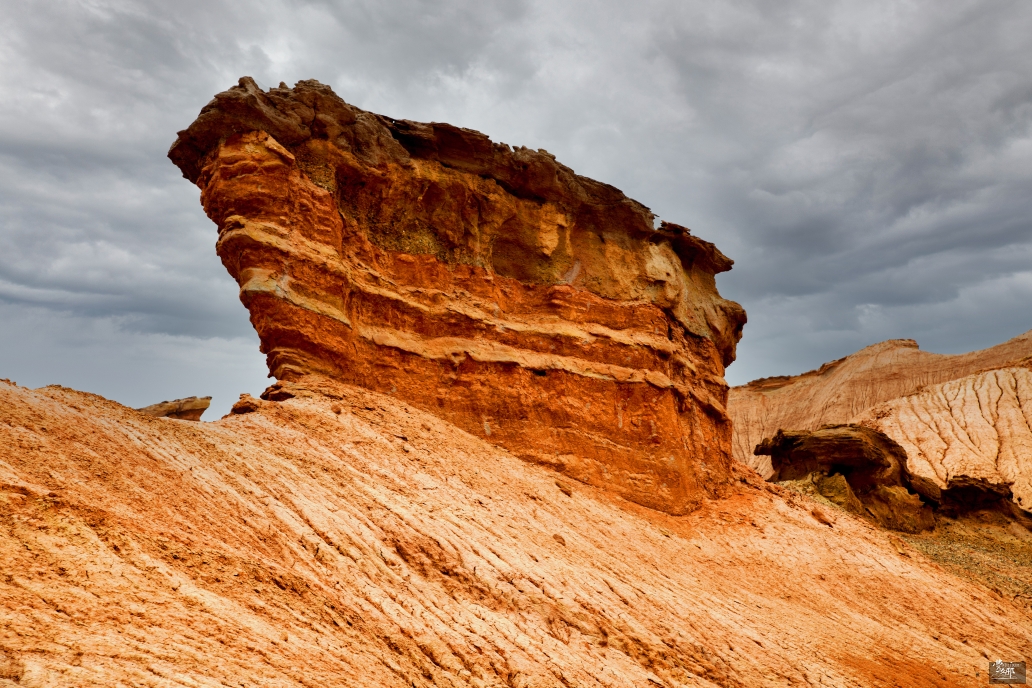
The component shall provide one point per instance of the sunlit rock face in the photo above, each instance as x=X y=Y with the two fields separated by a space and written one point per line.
x=491 y=286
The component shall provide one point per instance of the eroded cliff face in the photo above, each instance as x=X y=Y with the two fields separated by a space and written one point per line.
x=967 y=440
x=493 y=287
x=844 y=389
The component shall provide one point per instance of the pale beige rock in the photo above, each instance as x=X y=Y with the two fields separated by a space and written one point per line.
x=301 y=544
x=190 y=408
x=971 y=430
x=843 y=389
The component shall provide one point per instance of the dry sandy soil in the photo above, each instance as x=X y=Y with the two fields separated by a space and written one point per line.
x=342 y=538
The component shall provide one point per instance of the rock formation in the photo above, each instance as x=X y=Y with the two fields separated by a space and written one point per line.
x=866 y=456
x=491 y=286
x=190 y=408
x=857 y=468
x=339 y=537
x=968 y=441
x=842 y=390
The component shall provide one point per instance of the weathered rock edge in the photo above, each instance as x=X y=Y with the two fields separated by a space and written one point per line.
x=492 y=286
x=189 y=408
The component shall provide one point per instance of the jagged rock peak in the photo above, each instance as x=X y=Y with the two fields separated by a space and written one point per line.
x=493 y=286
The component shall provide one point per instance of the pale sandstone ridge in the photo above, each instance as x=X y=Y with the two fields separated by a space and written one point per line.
x=342 y=538
x=190 y=408
x=491 y=286
x=841 y=390
x=965 y=439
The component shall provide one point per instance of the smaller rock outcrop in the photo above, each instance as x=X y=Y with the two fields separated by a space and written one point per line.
x=867 y=457
x=858 y=468
x=190 y=408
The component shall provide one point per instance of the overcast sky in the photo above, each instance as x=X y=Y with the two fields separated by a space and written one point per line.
x=867 y=164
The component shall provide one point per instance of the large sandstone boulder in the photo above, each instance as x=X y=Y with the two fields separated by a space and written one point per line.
x=968 y=440
x=492 y=286
x=867 y=456
x=841 y=390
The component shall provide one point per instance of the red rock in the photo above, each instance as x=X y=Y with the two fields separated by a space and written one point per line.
x=494 y=287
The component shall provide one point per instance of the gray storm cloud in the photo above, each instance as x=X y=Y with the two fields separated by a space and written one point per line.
x=867 y=164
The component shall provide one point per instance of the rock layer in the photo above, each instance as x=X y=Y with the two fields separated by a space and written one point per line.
x=493 y=287
x=190 y=408
x=841 y=390
x=967 y=440
x=342 y=538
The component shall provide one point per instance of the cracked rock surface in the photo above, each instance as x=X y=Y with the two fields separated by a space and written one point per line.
x=842 y=390
x=965 y=438
x=339 y=537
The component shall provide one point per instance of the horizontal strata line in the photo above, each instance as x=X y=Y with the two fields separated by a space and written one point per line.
x=486 y=351
x=299 y=248
x=456 y=349
x=266 y=282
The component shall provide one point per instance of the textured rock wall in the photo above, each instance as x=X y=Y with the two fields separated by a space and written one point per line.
x=969 y=435
x=307 y=543
x=841 y=390
x=494 y=287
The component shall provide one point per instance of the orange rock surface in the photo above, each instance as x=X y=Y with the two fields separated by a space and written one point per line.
x=493 y=287
x=343 y=538
x=841 y=390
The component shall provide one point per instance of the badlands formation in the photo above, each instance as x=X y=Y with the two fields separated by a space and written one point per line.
x=964 y=422
x=498 y=453
x=344 y=538
x=969 y=435
x=842 y=390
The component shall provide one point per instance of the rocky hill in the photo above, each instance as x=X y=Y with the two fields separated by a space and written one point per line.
x=844 y=389
x=343 y=538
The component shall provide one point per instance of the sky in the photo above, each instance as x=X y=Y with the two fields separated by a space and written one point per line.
x=867 y=164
